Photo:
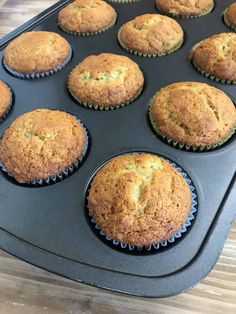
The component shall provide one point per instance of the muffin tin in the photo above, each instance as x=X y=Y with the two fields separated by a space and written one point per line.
x=49 y=226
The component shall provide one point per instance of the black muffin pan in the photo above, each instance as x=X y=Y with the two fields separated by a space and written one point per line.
x=49 y=226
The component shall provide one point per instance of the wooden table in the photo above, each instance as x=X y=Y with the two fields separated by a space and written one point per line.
x=28 y=290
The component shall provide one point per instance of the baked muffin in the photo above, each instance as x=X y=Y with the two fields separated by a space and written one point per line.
x=36 y=54
x=42 y=144
x=193 y=114
x=230 y=16
x=106 y=81
x=185 y=8
x=215 y=57
x=86 y=17
x=5 y=99
x=139 y=200
x=152 y=35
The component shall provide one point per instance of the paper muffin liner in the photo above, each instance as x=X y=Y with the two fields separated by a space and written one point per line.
x=37 y=75
x=179 y=234
x=181 y=145
x=226 y=22
x=88 y=33
x=175 y=15
x=9 y=108
x=61 y=176
x=149 y=55
x=104 y=108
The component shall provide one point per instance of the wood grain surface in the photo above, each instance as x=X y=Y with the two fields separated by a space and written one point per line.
x=25 y=289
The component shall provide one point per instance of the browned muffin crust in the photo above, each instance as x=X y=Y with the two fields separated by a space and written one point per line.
x=185 y=8
x=86 y=16
x=5 y=98
x=216 y=56
x=230 y=15
x=40 y=144
x=106 y=80
x=151 y=34
x=194 y=114
x=139 y=199
x=36 y=52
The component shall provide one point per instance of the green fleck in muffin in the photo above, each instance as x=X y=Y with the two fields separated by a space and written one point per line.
x=5 y=100
x=139 y=200
x=185 y=8
x=106 y=81
x=41 y=144
x=230 y=16
x=193 y=115
x=151 y=35
x=36 y=54
x=214 y=57
x=86 y=17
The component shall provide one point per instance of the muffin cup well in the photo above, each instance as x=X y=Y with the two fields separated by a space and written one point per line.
x=175 y=15
x=180 y=145
x=149 y=55
x=37 y=75
x=226 y=22
x=157 y=246
x=104 y=108
x=61 y=176
x=9 y=108
x=123 y=1
x=89 y=33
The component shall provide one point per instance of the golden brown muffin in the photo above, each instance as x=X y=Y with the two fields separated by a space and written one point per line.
x=151 y=34
x=216 y=56
x=36 y=52
x=185 y=8
x=86 y=16
x=139 y=200
x=5 y=99
x=40 y=144
x=194 y=114
x=230 y=16
x=106 y=81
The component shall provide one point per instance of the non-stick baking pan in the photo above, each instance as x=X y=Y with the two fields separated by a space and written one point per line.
x=49 y=226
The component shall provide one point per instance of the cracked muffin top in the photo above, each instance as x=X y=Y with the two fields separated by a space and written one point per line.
x=153 y=34
x=5 y=98
x=194 y=114
x=86 y=16
x=139 y=199
x=230 y=15
x=106 y=80
x=185 y=8
x=216 y=56
x=36 y=52
x=40 y=144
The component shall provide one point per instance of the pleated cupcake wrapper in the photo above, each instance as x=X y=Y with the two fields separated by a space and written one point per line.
x=184 y=146
x=124 y=1
x=88 y=33
x=104 y=108
x=175 y=15
x=9 y=108
x=203 y=72
x=148 y=55
x=63 y=175
x=227 y=23
x=38 y=75
x=157 y=246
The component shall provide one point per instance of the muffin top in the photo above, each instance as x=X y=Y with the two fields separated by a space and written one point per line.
x=185 y=8
x=40 y=144
x=5 y=98
x=82 y=16
x=217 y=56
x=139 y=199
x=151 y=34
x=106 y=80
x=36 y=52
x=192 y=113
x=230 y=15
